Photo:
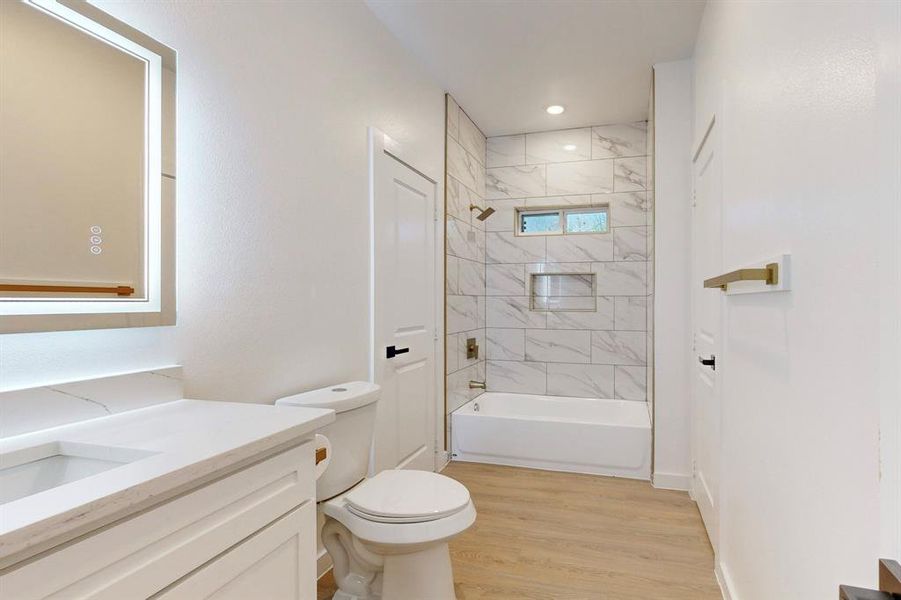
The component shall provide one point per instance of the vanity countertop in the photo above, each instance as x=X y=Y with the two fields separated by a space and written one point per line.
x=189 y=442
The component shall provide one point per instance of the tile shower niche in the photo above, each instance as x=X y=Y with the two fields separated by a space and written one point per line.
x=562 y=292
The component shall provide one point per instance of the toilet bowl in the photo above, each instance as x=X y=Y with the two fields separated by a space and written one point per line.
x=387 y=535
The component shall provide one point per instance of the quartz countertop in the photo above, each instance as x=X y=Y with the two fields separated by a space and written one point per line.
x=191 y=441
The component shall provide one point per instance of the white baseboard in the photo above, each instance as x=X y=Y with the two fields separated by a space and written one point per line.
x=727 y=587
x=323 y=563
x=671 y=481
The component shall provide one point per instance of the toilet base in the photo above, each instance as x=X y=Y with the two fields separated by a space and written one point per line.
x=379 y=572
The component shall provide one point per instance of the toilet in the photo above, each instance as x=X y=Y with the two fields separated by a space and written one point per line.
x=388 y=534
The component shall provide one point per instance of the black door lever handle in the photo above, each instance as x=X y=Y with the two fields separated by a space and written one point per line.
x=391 y=351
x=708 y=362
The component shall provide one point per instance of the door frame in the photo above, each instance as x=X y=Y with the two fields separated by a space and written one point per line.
x=380 y=143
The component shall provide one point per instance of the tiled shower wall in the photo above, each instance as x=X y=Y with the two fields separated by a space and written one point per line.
x=602 y=353
x=465 y=250
x=650 y=220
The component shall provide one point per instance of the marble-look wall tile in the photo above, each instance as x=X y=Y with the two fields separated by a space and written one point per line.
x=565 y=145
x=630 y=383
x=617 y=141
x=34 y=409
x=572 y=200
x=459 y=197
x=472 y=278
x=462 y=313
x=451 y=275
x=505 y=247
x=472 y=140
x=621 y=278
x=629 y=174
x=580 y=380
x=479 y=335
x=630 y=243
x=517 y=377
x=505 y=280
x=453 y=118
x=451 y=355
x=599 y=319
x=618 y=348
x=516 y=182
x=481 y=310
x=458 y=390
x=505 y=344
x=457 y=239
x=506 y=151
x=465 y=168
x=566 y=346
x=504 y=218
x=580 y=248
x=627 y=209
x=584 y=177
x=513 y=311
x=631 y=313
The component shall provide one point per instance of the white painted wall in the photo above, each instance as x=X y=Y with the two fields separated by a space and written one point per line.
x=810 y=153
x=274 y=102
x=672 y=298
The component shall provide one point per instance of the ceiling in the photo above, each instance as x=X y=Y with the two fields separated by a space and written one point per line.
x=505 y=60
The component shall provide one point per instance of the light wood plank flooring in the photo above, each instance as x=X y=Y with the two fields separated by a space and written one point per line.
x=560 y=536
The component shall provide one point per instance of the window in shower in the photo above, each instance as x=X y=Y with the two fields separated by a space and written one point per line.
x=562 y=220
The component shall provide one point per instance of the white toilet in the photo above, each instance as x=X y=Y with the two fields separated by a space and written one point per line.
x=387 y=535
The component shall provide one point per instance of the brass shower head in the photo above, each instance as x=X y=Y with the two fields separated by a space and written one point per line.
x=484 y=213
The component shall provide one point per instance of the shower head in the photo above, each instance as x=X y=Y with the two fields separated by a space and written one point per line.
x=483 y=213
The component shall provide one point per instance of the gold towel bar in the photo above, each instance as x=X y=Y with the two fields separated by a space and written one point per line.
x=119 y=290
x=770 y=275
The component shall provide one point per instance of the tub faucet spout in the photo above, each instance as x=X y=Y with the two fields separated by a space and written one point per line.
x=476 y=385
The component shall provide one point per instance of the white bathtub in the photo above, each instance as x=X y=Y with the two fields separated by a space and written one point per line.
x=579 y=435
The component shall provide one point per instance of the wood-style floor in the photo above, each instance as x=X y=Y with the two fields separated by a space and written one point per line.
x=560 y=536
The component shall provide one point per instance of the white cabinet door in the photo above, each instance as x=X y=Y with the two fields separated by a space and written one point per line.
x=276 y=563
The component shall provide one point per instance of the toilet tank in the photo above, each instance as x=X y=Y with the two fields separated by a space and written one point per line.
x=350 y=435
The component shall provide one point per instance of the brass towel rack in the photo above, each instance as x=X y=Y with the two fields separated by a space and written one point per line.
x=119 y=290
x=769 y=274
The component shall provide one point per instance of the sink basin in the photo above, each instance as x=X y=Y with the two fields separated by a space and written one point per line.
x=39 y=468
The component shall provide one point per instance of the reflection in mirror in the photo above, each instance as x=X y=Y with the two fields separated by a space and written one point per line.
x=81 y=174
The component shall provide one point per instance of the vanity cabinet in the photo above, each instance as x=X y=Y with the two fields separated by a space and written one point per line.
x=248 y=534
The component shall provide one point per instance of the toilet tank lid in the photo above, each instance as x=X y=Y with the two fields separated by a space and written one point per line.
x=341 y=397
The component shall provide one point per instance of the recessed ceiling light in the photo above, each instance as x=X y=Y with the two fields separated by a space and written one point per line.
x=569 y=147
x=554 y=109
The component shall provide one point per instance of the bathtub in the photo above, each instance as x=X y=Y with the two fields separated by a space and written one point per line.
x=578 y=435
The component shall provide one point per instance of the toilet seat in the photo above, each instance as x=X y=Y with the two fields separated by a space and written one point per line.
x=398 y=496
x=444 y=517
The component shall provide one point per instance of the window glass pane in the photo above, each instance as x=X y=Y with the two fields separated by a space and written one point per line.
x=548 y=222
x=586 y=221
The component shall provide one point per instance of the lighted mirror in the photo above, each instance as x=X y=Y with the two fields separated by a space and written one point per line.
x=87 y=170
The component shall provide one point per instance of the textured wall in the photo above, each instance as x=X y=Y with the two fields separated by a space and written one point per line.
x=806 y=95
x=273 y=226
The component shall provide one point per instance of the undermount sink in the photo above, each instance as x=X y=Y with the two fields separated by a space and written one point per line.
x=32 y=470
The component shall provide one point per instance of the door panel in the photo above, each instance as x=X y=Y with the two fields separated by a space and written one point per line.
x=404 y=314
x=707 y=328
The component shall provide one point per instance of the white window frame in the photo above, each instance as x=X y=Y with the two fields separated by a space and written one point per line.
x=562 y=212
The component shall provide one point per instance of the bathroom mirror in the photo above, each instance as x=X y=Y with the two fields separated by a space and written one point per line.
x=87 y=170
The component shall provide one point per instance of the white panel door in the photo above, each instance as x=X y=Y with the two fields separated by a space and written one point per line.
x=404 y=292
x=707 y=259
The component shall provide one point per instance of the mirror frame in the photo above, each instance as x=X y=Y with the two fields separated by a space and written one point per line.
x=158 y=307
